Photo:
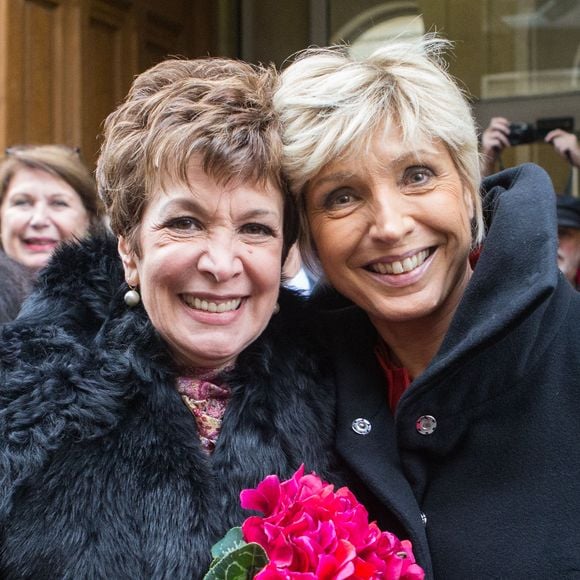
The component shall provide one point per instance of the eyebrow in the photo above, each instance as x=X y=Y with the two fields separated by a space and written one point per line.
x=406 y=156
x=186 y=203
x=30 y=193
x=191 y=204
x=256 y=213
x=331 y=177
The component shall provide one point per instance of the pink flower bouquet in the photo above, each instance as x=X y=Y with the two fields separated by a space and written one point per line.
x=309 y=531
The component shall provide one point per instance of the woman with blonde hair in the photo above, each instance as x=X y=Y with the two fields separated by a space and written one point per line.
x=456 y=357
x=47 y=196
x=174 y=371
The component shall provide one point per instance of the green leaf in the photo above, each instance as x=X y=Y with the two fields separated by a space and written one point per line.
x=231 y=541
x=239 y=564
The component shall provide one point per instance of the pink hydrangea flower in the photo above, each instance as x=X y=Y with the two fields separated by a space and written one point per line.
x=311 y=531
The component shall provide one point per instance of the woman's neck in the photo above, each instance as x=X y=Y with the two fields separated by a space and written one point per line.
x=414 y=343
x=205 y=372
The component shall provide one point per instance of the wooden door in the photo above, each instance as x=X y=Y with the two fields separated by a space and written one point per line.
x=65 y=64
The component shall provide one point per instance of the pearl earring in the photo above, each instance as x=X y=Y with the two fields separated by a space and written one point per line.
x=132 y=297
x=276 y=308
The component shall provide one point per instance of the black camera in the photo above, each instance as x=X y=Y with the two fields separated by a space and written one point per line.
x=521 y=133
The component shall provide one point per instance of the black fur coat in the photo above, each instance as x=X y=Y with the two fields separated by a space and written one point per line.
x=101 y=470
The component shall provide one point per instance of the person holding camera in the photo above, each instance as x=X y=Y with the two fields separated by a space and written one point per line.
x=501 y=133
x=494 y=140
x=565 y=144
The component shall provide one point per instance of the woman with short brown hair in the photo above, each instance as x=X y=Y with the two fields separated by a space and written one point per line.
x=173 y=371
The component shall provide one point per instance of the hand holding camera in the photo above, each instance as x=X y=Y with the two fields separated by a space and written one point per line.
x=493 y=141
x=565 y=144
x=500 y=133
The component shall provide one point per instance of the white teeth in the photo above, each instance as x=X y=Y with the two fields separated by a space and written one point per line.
x=208 y=306
x=397 y=267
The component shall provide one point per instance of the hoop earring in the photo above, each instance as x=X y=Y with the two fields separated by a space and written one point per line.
x=132 y=297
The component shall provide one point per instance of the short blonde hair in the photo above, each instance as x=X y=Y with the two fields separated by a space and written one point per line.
x=216 y=108
x=331 y=105
x=60 y=161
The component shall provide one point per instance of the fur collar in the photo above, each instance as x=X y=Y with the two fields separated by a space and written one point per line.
x=89 y=415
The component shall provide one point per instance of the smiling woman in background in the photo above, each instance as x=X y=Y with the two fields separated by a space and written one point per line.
x=175 y=371
x=47 y=196
x=457 y=378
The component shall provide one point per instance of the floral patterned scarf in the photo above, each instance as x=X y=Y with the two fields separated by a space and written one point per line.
x=206 y=396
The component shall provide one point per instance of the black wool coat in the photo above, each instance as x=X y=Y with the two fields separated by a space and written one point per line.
x=101 y=470
x=490 y=487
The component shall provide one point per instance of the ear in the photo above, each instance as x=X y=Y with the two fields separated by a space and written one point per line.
x=130 y=262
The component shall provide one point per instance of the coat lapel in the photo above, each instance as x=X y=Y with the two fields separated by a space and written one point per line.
x=374 y=457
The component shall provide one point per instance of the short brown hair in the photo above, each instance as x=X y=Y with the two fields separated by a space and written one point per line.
x=58 y=160
x=216 y=108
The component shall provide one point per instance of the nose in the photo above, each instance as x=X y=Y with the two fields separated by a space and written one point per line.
x=39 y=216
x=391 y=219
x=221 y=258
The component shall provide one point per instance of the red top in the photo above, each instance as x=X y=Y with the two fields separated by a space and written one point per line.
x=398 y=378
